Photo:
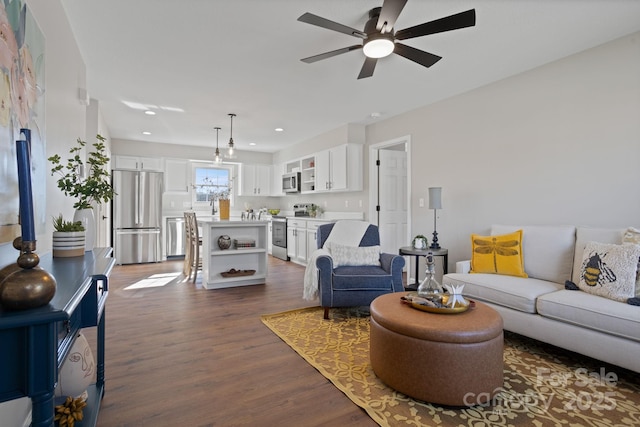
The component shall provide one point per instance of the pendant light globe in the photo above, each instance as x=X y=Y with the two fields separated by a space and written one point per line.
x=231 y=151
x=218 y=157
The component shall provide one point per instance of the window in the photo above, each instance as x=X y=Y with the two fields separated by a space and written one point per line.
x=210 y=183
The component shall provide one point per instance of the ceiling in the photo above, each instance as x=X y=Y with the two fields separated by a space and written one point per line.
x=195 y=61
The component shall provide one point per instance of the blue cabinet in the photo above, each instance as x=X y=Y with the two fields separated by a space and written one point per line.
x=33 y=343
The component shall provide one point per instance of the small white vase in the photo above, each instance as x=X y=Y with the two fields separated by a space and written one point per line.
x=86 y=217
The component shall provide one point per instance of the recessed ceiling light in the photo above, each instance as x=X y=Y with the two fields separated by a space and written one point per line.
x=146 y=133
x=150 y=113
x=375 y=115
x=279 y=130
x=252 y=143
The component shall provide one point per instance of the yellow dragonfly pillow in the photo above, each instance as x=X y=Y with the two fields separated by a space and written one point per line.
x=498 y=254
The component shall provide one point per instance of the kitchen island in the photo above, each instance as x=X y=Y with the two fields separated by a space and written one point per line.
x=228 y=267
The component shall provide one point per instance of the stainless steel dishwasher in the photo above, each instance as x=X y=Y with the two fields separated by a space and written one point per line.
x=175 y=237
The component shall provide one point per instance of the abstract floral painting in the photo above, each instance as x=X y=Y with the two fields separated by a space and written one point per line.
x=22 y=105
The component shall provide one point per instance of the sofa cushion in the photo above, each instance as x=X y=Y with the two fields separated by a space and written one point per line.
x=547 y=250
x=361 y=277
x=514 y=292
x=497 y=254
x=586 y=234
x=609 y=270
x=593 y=312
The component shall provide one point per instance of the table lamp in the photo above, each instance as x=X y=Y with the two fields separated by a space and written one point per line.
x=435 y=203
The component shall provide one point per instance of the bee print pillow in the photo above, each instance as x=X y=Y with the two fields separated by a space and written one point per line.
x=609 y=270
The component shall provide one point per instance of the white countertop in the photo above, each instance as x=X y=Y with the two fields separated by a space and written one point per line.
x=216 y=221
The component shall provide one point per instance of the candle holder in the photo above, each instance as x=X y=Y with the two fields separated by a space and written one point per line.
x=24 y=285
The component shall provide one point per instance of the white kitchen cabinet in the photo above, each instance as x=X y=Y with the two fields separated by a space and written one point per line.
x=216 y=261
x=255 y=180
x=339 y=169
x=277 y=170
x=297 y=240
x=312 y=235
x=176 y=175
x=270 y=237
x=138 y=163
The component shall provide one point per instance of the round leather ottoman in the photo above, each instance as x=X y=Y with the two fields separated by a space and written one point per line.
x=448 y=359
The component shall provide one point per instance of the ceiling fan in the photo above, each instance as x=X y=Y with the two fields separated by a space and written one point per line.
x=379 y=38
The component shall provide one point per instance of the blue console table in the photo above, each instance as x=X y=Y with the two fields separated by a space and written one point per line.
x=33 y=343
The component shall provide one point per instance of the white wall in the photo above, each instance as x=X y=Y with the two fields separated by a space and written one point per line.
x=65 y=73
x=559 y=144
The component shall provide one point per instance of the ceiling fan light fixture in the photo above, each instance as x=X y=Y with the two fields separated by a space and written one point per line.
x=378 y=46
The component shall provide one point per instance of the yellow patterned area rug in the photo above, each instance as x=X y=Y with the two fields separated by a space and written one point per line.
x=543 y=385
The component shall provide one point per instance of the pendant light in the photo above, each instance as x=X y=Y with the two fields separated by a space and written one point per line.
x=218 y=158
x=231 y=153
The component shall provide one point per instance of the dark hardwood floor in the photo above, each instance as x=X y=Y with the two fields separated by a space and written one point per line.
x=180 y=355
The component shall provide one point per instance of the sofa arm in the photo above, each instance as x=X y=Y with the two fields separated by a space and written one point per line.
x=393 y=264
x=324 y=264
x=463 y=267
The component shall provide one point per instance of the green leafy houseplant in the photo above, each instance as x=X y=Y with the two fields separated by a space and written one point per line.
x=96 y=187
x=60 y=224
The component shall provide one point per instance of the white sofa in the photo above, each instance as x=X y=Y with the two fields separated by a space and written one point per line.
x=539 y=306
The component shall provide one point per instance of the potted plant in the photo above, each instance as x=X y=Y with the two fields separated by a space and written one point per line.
x=419 y=242
x=68 y=237
x=315 y=210
x=95 y=187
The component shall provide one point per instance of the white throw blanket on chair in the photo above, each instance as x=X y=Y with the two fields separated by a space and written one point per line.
x=344 y=232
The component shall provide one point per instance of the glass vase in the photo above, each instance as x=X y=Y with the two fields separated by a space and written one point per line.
x=430 y=288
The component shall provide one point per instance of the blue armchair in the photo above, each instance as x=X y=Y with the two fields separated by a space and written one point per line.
x=350 y=286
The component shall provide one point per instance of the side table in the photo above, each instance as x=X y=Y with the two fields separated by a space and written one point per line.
x=410 y=250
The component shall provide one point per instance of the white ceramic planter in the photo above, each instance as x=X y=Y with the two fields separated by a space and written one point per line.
x=68 y=243
x=87 y=218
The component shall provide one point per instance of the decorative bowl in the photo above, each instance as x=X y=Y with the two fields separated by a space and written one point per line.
x=273 y=211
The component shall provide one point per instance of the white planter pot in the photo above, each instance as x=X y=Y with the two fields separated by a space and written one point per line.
x=68 y=243
x=89 y=221
x=420 y=243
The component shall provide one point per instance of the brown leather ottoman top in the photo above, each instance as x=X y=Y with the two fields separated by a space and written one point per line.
x=477 y=324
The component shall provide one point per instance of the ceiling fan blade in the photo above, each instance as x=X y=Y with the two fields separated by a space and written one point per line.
x=319 y=21
x=326 y=55
x=367 y=68
x=453 y=22
x=416 y=55
x=389 y=14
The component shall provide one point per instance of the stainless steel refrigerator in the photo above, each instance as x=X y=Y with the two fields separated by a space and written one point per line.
x=137 y=216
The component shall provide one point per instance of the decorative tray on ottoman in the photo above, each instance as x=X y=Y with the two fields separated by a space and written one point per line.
x=442 y=307
x=236 y=273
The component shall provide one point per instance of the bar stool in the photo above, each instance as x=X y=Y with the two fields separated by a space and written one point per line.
x=186 y=268
x=193 y=262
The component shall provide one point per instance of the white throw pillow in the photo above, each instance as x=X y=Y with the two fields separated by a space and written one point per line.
x=609 y=270
x=632 y=235
x=353 y=255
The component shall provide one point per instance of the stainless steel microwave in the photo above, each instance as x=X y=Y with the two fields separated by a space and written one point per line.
x=291 y=182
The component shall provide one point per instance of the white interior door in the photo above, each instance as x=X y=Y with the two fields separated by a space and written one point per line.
x=393 y=202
